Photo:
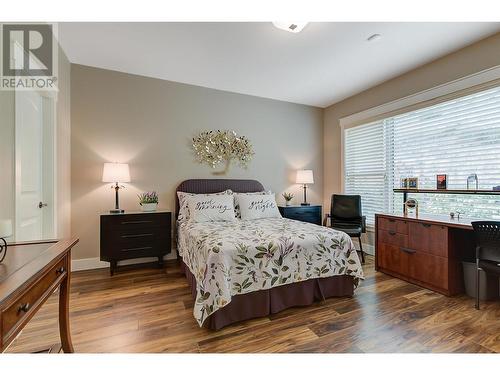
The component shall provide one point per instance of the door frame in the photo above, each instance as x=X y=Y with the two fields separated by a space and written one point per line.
x=53 y=163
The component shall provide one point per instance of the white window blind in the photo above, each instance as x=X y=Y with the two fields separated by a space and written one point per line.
x=365 y=166
x=458 y=138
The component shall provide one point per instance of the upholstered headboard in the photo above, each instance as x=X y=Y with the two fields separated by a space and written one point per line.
x=215 y=185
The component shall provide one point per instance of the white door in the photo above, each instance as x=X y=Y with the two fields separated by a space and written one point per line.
x=34 y=157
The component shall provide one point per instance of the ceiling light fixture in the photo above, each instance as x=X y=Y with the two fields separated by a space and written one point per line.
x=293 y=27
x=374 y=37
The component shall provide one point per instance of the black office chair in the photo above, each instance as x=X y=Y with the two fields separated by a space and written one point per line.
x=487 y=235
x=346 y=216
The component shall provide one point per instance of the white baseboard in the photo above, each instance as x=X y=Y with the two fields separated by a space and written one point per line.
x=87 y=264
x=95 y=263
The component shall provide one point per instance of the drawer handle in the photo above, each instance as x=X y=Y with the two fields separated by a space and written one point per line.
x=138 y=248
x=426 y=225
x=392 y=233
x=137 y=222
x=23 y=308
x=409 y=251
x=60 y=271
x=136 y=235
x=392 y=220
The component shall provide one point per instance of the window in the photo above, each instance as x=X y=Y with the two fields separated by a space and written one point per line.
x=458 y=138
x=365 y=166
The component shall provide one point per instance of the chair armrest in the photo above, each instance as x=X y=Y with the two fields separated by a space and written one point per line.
x=325 y=220
x=363 y=224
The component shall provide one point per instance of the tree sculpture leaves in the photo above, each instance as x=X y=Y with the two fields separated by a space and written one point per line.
x=222 y=146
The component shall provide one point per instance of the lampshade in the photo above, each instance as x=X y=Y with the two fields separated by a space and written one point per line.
x=115 y=172
x=5 y=228
x=305 y=176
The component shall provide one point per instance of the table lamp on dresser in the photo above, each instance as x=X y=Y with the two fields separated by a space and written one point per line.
x=116 y=173
x=5 y=231
x=304 y=177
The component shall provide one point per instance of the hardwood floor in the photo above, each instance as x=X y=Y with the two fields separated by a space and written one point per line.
x=150 y=310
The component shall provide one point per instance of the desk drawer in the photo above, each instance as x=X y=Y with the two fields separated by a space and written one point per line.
x=429 y=238
x=429 y=269
x=392 y=258
x=391 y=237
x=394 y=225
x=24 y=306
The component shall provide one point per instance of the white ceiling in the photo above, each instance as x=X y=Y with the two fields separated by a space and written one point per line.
x=325 y=63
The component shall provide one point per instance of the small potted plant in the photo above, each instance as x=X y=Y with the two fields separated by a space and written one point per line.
x=288 y=198
x=148 y=201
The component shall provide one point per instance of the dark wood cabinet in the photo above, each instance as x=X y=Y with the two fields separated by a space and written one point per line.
x=135 y=235
x=424 y=251
x=309 y=214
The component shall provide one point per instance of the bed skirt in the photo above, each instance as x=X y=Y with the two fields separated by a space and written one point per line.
x=270 y=301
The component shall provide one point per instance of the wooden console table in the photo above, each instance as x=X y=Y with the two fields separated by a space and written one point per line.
x=29 y=274
x=426 y=250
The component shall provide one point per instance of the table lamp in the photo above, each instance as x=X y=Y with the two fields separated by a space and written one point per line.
x=305 y=176
x=116 y=172
x=5 y=231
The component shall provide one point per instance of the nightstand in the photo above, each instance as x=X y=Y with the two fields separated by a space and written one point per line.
x=309 y=214
x=135 y=235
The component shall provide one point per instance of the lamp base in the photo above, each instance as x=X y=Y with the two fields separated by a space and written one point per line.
x=305 y=204
x=119 y=211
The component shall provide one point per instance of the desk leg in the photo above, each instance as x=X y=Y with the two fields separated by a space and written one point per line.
x=64 y=330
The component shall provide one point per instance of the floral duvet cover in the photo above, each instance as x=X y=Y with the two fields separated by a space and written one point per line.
x=230 y=258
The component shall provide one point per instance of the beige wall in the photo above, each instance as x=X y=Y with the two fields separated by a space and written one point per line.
x=149 y=123
x=472 y=59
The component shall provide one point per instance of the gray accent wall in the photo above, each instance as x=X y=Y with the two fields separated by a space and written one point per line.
x=149 y=124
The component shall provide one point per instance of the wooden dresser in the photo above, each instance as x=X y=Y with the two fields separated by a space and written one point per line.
x=135 y=235
x=426 y=251
x=29 y=274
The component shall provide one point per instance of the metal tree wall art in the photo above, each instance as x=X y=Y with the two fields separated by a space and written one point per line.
x=222 y=146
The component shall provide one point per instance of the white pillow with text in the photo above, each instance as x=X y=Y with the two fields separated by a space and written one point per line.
x=257 y=206
x=204 y=208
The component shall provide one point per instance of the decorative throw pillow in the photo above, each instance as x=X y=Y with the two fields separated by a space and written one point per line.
x=236 y=202
x=258 y=206
x=183 y=203
x=211 y=208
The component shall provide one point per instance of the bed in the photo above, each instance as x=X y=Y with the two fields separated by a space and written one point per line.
x=253 y=268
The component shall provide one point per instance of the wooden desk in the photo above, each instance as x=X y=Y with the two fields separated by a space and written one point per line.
x=426 y=250
x=29 y=274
